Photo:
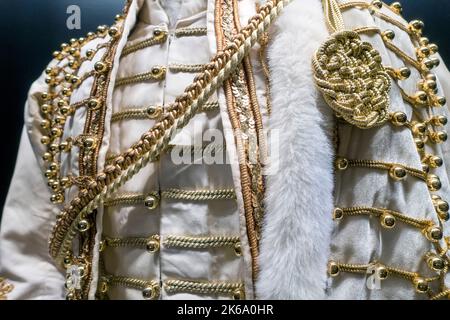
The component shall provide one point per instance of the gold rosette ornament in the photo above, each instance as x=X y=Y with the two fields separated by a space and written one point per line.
x=350 y=75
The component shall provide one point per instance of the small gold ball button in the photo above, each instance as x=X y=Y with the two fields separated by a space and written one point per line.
x=83 y=225
x=434 y=233
x=398 y=173
x=399 y=118
x=389 y=35
x=150 y=292
x=151 y=201
x=341 y=163
x=333 y=269
x=153 y=245
x=338 y=214
x=239 y=294
x=238 y=249
x=396 y=7
x=387 y=221
x=433 y=182
x=420 y=284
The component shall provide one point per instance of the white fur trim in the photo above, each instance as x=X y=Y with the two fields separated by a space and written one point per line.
x=297 y=225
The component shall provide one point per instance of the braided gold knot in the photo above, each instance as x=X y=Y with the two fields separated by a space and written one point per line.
x=350 y=75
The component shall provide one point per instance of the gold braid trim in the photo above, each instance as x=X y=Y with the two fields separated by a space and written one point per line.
x=187 y=32
x=144 y=44
x=218 y=287
x=343 y=164
x=442 y=295
x=180 y=67
x=5 y=288
x=129 y=242
x=178 y=194
x=150 y=288
x=421 y=283
x=141 y=77
x=201 y=242
x=145 y=113
x=199 y=195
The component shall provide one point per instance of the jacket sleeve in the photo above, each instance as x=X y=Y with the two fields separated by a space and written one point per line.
x=28 y=218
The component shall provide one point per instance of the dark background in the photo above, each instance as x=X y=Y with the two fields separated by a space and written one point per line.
x=30 y=30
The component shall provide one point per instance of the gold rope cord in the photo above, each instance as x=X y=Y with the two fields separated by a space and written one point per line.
x=350 y=74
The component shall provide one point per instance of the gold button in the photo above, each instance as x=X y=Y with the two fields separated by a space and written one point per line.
x=102 y=246
x=89 y=143
x=382 y=272
x=151 y=201
x=46 y=108
x=439 y=121
x=153 y=244
x=341 y=163
x=333 y=269
x=399 y=118
x=159 y=34
x=153 y=111
x=113 y=32
x=338 y=214
x=389 y=35
x=151 y=292
x=418 y=128
x=403 y=73
x=65 y=182
x=104 y=286
x=435 y=161
x=421 y=97
x=238 y=249
x=83 y=225
x=158 y=72
x=100 y=66
x=397 y=7
x=434 y=233
x=433 y=182
x=422 y=52
x=436 y=263
x=47 y=157
x=420 y=284
x=441 y=206
x=397 y=173
x=420 y=144
x=90 y=53
x=416 y=26
x=57 y=198
x=433 y=48
x=387 y=221
x=440 y=101
x=239 y=294
x=94 y=104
